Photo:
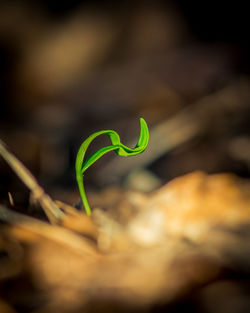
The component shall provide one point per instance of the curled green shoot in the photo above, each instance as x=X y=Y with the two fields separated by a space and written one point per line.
x=82 y=165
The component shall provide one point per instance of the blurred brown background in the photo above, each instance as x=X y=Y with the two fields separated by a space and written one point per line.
x=71 y=68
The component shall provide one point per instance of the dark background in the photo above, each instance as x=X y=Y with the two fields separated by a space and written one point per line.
x=71 y=68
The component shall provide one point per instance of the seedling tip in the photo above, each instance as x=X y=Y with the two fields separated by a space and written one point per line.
x=82 y=165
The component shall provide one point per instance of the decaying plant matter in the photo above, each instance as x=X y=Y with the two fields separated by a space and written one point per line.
x=181 y=241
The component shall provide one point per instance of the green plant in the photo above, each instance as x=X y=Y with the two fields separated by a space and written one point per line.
x=82 y=165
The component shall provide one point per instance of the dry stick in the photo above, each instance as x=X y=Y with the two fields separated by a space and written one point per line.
x=181 y=128
x=52 y=211
x=45 y=230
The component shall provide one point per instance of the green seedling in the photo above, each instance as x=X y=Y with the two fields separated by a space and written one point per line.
x=82 y=165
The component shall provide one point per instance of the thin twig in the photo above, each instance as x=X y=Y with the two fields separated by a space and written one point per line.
x=52 y=211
